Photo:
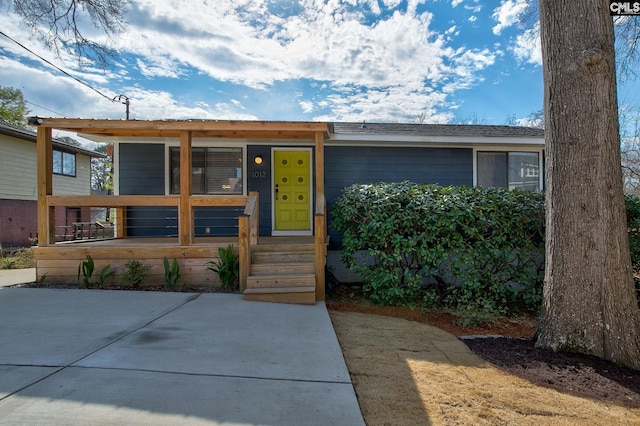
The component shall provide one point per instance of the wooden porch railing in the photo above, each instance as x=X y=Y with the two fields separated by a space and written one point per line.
x=247 y=223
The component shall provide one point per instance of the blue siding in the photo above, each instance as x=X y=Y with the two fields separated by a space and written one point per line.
x=216 y=221
x=142 y=172
x=347 y=165
x=141 y=169
x=143 y=221
x=259 y=179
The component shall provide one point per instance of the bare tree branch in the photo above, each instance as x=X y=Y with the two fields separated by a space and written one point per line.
x=61 y=25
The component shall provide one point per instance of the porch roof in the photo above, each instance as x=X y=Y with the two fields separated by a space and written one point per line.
x=198 y=128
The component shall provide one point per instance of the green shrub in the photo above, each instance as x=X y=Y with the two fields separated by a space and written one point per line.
x=134 y=273
x=633 y=225
x=446 y=246
x=226 y=267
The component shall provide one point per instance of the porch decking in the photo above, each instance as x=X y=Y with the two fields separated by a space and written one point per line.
x=282 y=268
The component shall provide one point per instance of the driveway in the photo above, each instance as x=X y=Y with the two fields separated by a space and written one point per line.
x=123 y=357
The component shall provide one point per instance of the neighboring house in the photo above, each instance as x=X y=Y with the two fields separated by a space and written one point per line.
x=296 y=171
x=18 y=184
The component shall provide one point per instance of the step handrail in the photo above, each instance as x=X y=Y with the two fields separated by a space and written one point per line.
x=247 y=237
x=320 y=224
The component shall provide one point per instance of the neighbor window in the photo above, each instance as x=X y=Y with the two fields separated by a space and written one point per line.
x=214 y=170
x=513 y=170
x=64 y=163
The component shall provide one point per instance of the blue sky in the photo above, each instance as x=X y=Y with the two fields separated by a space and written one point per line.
x=410 y=61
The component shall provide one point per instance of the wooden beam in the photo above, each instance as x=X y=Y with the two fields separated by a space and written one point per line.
x=199 y=128
x=112 y=200
x=44 y=164
x=244 y=252
x=121 y=222
x=320 y=219
x=319 y=163
x=145 y=200
x=320 y=225
x=185 y=210
x=254 y=223
x=218 y=200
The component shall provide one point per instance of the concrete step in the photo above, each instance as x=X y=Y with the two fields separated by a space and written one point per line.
x=281 y=281
x=304 y=295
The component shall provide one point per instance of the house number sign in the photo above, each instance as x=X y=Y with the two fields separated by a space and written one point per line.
x=259 y=174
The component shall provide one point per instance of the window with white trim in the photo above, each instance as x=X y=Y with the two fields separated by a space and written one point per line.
x=213 y=171
x=513 y=170
x=64 y=163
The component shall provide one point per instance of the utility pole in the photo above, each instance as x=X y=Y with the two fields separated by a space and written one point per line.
x=123 y=100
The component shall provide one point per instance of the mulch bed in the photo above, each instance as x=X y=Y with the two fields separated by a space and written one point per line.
x=581 y=375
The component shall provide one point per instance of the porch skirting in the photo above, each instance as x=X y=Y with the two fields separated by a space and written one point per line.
x=60 y=262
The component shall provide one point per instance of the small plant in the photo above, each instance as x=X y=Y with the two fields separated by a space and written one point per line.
x=171 y=272
x=226 y=267
x=43 y=278
x=7 y=263
x=105 y=274
x=86 y=269
x=134 y=273
x=23 y=258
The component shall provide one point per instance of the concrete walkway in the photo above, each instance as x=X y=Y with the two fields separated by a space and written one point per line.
x=78 y=357
x=9 y=277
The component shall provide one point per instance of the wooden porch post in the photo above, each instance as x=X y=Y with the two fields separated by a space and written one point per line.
x=319 y=157
x=46 y=214
x=121 y=222
x=320 y=218
x=185 y=211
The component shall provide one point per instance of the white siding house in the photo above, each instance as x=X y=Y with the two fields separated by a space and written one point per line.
x=18 y=174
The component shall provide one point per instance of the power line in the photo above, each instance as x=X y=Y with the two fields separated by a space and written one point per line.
x=56 y=67
x=40 y=106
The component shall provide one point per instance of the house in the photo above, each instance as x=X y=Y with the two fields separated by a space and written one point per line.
x=18 y=184
x=184 y=188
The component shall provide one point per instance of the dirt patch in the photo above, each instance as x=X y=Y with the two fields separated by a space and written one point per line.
x=405 y=372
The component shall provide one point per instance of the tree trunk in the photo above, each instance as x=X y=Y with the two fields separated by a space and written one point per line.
x=589 y=304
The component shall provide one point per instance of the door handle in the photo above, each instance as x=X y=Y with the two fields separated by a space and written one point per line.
x=277 y=191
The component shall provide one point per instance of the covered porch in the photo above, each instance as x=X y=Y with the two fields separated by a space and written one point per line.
x=282 y=269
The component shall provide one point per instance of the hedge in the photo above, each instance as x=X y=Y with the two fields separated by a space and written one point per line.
x=444 y=246
x=475 y=249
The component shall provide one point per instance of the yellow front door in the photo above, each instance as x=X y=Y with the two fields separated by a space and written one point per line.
x=292 y=190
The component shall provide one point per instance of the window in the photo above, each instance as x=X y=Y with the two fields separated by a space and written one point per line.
x=213 y=171
x=64 y=163
x=514 y=170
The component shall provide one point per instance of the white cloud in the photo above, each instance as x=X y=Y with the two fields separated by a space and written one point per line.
x=307 y=106
x=388 y=105
x=507 y=14
x=527 y=46
x=385 y=48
